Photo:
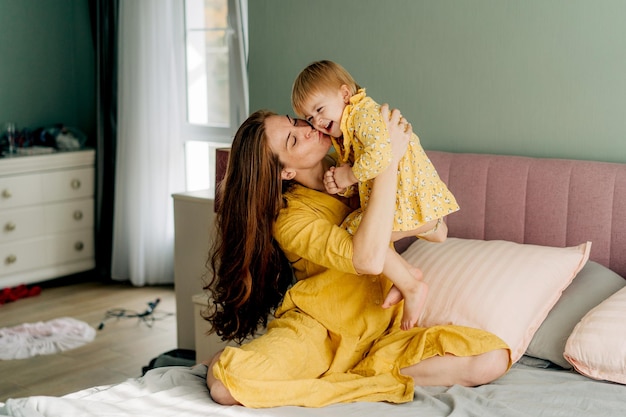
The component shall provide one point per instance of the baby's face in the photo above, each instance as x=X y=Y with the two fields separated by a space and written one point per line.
x=324 y=111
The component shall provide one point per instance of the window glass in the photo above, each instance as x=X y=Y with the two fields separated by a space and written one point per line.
x=216 y=84
x=208 y=93
x=197 y=173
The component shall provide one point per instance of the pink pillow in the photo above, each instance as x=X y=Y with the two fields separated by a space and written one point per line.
x=596 y=347
x=503 y=287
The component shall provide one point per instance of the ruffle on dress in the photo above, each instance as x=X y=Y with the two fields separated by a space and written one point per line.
x=44 y=338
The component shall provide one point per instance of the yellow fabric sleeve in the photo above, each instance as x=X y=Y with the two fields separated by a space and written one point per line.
x=309 y=235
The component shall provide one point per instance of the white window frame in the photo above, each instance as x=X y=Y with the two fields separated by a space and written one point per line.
x=194 y=135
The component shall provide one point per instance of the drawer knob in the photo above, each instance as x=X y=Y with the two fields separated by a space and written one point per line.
x=6 y=193
x=79 y=246
x=9 y=227
x=78 y=215
x=11 y=259
x=75 y=184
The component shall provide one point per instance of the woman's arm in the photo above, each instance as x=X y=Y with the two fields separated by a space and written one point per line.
x=371 y=240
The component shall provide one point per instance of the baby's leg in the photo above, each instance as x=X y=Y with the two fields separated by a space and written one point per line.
x=405 y=277
x=436 y=228
x=438 y=233
x=408 y=283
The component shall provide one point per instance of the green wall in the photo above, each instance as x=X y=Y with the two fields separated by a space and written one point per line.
x=525 y=77
x=47 y=67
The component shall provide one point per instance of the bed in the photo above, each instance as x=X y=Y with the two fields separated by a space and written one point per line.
x=537 y=255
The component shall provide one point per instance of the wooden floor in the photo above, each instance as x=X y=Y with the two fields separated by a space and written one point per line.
x=118 y=352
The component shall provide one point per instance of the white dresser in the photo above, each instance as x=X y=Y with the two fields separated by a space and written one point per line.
x=194 y=233
x=194 y=215
x=46 y=216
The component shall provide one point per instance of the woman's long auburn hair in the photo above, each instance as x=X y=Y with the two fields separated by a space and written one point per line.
x=250 y=272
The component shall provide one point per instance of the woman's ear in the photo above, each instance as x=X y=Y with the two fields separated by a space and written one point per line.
x=287 y=174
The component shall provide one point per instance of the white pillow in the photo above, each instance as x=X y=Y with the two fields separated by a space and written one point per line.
x=503 y=287
x=596 y=348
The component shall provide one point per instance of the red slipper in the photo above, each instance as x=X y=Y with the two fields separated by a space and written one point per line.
x=4 y=295
x=19 y=292
x=36 y=290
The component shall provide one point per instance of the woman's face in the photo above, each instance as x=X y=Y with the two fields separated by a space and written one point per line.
x=298 y=145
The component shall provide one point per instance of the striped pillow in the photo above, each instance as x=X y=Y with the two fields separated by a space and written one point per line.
x=503 y=287
x=596 y=347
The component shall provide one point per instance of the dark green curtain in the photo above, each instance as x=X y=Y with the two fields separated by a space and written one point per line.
x=104 y=16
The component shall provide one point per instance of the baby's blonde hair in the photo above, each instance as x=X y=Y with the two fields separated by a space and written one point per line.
x=319 y=77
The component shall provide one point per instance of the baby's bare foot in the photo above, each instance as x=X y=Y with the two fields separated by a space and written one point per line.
x=413 y=306
x=394 y=296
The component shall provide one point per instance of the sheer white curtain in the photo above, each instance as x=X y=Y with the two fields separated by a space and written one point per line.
x=150 y=157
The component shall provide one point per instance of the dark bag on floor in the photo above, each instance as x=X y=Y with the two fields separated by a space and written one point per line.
x=176 y=357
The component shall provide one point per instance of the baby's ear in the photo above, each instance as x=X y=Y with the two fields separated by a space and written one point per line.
x=346 y=93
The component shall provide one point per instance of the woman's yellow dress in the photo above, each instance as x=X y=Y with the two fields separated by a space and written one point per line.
x=331 y=341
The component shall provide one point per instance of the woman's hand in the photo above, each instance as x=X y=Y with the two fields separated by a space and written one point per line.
x=400 y=131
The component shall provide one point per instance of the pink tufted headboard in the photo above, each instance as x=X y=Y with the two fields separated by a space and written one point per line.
x=552 y=202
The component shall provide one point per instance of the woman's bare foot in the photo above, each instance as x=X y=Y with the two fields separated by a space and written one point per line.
x=217 y=389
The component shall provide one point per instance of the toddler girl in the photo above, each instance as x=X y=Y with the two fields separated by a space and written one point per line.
x=327 y=96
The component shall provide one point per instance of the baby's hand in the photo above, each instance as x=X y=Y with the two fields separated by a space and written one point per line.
x=343 y=177
x=329 y=182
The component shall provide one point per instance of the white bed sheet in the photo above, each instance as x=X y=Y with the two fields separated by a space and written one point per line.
x=181 y=391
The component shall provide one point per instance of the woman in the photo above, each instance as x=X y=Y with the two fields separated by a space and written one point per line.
x=331 y=340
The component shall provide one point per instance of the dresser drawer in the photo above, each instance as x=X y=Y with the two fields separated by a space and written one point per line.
x=26 y=222
x=23 y=255
x=73 y=215
x=19 y=191
x=68 y=184
x=69 y=247
x=25 y=190
x=36 y=221
x=37 y=253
